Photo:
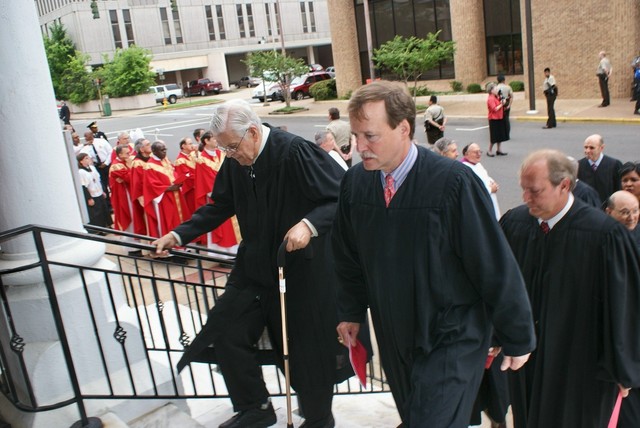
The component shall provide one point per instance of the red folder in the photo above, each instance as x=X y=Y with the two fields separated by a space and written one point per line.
x=358 y=358
x=613 y=422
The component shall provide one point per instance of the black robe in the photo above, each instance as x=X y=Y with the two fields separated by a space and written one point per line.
x=583 y=280
x=587 y=194
x=294 y=179
x=436 y=272
x=605 y=179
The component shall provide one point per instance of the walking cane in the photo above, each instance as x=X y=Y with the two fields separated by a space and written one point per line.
x=285 y=337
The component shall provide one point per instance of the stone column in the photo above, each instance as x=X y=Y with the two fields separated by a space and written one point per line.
x=36 y=187
x=467 y=29
x=346 y=55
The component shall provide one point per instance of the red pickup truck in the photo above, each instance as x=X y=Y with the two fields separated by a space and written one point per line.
x=202 y=87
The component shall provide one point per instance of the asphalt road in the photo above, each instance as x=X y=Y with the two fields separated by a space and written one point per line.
x=621 y=141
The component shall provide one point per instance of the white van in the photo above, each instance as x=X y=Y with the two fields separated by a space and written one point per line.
x=170 y=91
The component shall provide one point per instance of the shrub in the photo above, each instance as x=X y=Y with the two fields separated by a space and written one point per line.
x=347 y=96
x=324 y=90
x=420 y=91
x=474 y=88
x=517 y=86
x=456 y=86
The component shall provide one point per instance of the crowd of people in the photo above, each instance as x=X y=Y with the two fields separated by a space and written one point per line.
x=473 y=310
x=133 y=187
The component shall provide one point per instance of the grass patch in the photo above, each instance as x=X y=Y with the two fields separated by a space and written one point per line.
x=188 y=102
x=288 y=110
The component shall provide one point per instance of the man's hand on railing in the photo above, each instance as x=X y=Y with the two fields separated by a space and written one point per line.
x=163 y=245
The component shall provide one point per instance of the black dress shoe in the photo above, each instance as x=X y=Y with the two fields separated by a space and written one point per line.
x=490 y=154
x=547 y=127
x=502 y=153
x=327 y=423
x=252 y=418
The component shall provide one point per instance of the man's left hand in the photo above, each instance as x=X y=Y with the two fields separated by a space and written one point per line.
x=298 y=237
x=514 y=363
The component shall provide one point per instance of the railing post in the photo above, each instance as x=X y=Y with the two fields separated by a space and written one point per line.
x=84 y=422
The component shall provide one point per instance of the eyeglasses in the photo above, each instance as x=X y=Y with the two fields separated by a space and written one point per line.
x=626 y=213
x=232 y=149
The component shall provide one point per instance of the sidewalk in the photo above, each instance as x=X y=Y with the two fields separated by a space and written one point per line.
x=463 y=106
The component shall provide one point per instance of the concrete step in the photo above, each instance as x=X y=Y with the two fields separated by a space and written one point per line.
x=168 y=416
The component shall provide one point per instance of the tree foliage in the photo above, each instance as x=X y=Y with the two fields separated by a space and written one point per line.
x=276 y=67
x=128 y=73
x=60 y=51
x=409 y=58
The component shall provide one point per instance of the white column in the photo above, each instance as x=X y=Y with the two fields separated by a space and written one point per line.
x=36 y=187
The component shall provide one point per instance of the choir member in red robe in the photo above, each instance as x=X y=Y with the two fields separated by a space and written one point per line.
x=119 y=182
x=143 y=147
x=185 y=166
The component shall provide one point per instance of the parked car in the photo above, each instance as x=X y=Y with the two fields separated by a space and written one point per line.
x=315 y=67
x=203 y=87
x=331 y=70
x=300 y=85
x=272 y=90
x=169 y=91
x=248 y=82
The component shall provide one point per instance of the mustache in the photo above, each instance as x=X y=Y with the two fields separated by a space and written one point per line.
x=368 y=155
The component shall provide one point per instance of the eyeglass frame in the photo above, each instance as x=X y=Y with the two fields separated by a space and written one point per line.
x=231 y=150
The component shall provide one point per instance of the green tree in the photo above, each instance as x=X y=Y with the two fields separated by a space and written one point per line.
x=60 y=51
x=276 y=67
x=128 y=73
x=409 y=58
x=78 y=81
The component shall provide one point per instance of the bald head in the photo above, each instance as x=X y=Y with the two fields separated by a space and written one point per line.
x=593 y=147
x=623 y=206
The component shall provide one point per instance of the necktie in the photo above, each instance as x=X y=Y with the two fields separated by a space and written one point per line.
x=389 y=188
x=594 y=167
x=545 y=227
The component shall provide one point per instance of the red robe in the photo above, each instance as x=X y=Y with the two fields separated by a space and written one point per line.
x=185 y=166
x=165 y=215
x=119 y=182
x=135 y=190
x=207 y=167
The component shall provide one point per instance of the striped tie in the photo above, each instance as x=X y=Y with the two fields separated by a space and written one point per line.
x=389 y=189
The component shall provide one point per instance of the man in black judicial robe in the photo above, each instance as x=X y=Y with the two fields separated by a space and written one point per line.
x=583 y=279
x=432 y=265
x=279 y=186
x=587 y=194
x=605 y=175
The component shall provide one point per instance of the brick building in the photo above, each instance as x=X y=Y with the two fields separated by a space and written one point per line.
x=491 y=37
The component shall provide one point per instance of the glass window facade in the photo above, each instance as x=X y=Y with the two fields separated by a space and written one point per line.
x=128 y=26
x=115 y=28
x=504 y=37
x=223 y=34
x=209 y=14
x=243 y=32
x=177 y=27
x=166 y=33
x=407 y=18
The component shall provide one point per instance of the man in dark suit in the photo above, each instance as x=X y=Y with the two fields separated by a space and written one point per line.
x=599 y=170
x=582 y=274
x=279 y=186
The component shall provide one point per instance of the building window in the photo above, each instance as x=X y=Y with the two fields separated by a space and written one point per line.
x=303 y=13
x=312 y=17
x=243 y=32
x=504 y=37
x=407 y=18
x=277 y=16
x=267 y=11
x=165 y=26
x=223 y=34
x=209 y=14
x=128 y=26
x=252 y=30
x=177 y=27
x=115 y=29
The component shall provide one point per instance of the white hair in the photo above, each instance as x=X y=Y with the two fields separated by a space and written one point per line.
x=235 y=116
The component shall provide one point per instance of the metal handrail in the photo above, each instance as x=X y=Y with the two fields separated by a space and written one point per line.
x=165 y=305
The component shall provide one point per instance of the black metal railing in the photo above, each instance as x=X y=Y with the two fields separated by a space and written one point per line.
x=117 y=325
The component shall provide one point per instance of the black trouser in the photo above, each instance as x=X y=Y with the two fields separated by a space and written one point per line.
x=237 y=322
x=507 y=124
x=551 y=121
x=604 y=88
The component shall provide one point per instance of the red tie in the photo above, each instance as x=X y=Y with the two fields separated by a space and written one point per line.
x=545 y=227
x=389 y=188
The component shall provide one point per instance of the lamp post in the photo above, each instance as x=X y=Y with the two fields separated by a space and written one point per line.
x=531 y=78
x=367 y=26
x=281 y=29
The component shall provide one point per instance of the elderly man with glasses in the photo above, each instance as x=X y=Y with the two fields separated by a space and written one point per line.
x=280 y=187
